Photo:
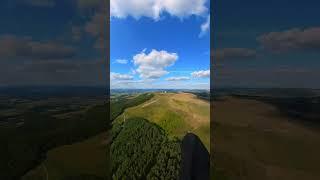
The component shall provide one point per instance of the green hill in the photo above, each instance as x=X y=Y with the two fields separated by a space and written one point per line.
x=176 y=113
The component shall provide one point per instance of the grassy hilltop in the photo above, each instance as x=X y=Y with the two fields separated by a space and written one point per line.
x=176 y=113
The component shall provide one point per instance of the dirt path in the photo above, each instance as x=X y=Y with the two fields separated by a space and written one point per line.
x=149 y=103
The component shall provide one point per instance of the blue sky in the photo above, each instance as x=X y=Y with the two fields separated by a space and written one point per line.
x=160 y=49
x=266 y=43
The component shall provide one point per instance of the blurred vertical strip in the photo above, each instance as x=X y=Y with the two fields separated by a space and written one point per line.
x=105 y=25
x=211 y=88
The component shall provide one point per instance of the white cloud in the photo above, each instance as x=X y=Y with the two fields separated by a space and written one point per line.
x=132 y=84
x=183 y=85
x=201 y=74
x=154 y=8
x=205 y=27
x=152 y=65
x=117 y=76
x=133 y=71
x=121 y=61
x=292 y=40
x=179 y=78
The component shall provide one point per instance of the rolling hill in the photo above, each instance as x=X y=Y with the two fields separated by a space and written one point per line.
x=176 y=113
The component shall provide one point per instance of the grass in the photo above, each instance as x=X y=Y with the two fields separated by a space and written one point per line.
x=204 y=134
x=176 y=113
x=253 y=142
x=84 y=158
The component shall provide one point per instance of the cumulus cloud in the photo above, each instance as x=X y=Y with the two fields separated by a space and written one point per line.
x=117 y=76
x=205 y=27
x=201 y=74
x=292 y=39
x=179 y=78
x=133 y=71
x=233 y=53
x=121 y=61
x=132 y=84
x=154 y=8
x=13 y=46
x=152 y=65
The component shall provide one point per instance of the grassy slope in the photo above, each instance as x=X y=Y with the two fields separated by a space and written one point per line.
x=85 y=157
x=261 y=144
x=176 y=113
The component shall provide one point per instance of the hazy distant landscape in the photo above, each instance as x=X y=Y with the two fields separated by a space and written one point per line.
x=266 y=133
x=147 y=129
x=44 y=131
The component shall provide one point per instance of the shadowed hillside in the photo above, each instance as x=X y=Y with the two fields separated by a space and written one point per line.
x=256 y=140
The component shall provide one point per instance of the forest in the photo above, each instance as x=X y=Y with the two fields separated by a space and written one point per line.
x=142 y=150
x=118 y=105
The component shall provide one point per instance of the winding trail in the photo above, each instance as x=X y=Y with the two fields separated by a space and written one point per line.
x=150 y=103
